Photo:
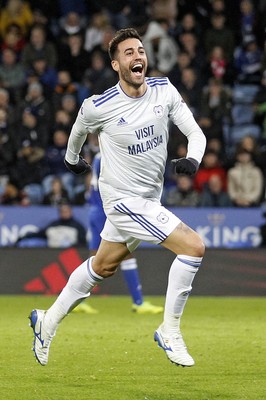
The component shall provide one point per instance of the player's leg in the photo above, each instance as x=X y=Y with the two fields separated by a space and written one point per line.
x=83 y=279
x=129 y=269
x=189 y=248
x=96 y=220
x=130 y=272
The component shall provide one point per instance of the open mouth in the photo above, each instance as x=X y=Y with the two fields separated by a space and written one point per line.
x=137 y=69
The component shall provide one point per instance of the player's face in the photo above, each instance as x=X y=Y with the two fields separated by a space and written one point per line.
x=131 y=62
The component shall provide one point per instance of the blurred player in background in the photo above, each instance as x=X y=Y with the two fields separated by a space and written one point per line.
x=131 y=120
x=128 y=266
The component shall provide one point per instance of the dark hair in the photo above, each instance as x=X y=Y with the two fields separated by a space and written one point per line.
x=120 y=36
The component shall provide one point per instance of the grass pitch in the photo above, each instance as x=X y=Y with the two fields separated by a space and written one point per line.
x=112 y=355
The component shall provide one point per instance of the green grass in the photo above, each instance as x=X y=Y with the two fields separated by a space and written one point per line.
x=112 y=355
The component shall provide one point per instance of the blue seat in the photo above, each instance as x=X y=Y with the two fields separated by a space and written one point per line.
x=35 y=193
x=32 y=242
x=242 y=114
x=237 y=132
x=244 y=94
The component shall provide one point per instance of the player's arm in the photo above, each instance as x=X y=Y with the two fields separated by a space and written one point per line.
x=73 y=160
x=184 y=120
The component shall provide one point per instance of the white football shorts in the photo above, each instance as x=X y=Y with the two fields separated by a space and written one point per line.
x=134 y=220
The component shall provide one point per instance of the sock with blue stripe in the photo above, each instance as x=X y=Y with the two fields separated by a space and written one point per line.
x=80 y=283
x=181 y=276
x=130 y=273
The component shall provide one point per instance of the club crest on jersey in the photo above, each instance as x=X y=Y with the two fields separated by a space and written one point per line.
x=163 y=218
x=158 y=111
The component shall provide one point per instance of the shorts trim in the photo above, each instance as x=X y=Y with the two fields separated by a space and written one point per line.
x=123 y=209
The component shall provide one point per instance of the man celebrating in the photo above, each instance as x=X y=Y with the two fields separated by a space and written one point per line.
x=131 y=120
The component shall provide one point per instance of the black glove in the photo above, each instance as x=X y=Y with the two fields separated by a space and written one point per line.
x=82 y=167
x=186 y=166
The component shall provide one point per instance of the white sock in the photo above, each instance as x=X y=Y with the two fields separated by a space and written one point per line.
x=181 y=275
x=80 y=283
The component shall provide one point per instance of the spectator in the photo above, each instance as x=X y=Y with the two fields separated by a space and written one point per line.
x=37 y=46
x=218 y=34
x=189 y=43
x=90 y=148
x=13 y=39
x=71 y=23
x=107 y=36
x=98 y=77
x=218 y=67
x=249 y=21
x=16 y=12
x=183 y=61
x=45 y=13
x=30 y=157
x=43 y=74
x=35 y=103
x=64 y=86
x=95 y=30
x=210 y=166
x=63 y=232
x=215 y=109
x=12 y=74
x=229 y=9
x=74 y=57
x=10 y=195
x=213 y=194
x=83 y=192
x=57 y=195
x=250 y=143
x=70 y=105
x=54 y=164
x=190 y=89
x=166 y=9
x=7 y=149
x=161 y=49
x=245 y=181
x=217 y=63
x=248 y=61
x=5 y=104
x=118 y=12
x=188 y=24
x=81 y=7
x=62 y=120
x=219 y=147
x=183 y=194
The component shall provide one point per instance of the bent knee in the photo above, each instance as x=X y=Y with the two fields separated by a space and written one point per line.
x=198 y=247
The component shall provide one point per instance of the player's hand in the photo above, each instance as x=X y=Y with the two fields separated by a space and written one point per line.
x=186 y=166
x=81 y=168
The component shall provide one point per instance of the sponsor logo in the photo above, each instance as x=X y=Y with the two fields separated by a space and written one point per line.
x=122 y=121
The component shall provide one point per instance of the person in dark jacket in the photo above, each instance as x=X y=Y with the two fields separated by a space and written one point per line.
x=64 y=232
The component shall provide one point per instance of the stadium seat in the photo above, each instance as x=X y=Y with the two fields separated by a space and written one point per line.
x=244 y=94
x=32 y=242
x=242 y=114
x=239 y=131
x=34 y=192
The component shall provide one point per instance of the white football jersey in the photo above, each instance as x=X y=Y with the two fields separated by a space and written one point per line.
x=133 y=136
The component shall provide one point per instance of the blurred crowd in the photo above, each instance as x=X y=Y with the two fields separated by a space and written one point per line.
x=54 y=54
